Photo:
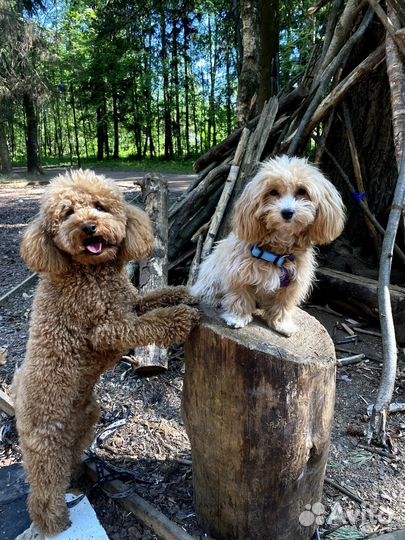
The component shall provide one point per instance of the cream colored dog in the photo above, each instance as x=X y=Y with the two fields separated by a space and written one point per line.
x=268 y=260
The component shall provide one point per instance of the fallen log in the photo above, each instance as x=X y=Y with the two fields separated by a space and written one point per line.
x=258 y=409
x=153 y=271
x=333 y=284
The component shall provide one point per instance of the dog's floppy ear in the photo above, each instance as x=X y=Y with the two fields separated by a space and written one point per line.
x=138 y=241
x=40 y=252
x=247 y=224
x=330 y=219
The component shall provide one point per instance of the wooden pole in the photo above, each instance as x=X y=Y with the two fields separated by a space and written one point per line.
x=258 y=409
x=153 y=271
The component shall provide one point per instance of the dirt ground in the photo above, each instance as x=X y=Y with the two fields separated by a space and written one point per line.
x=153 y=443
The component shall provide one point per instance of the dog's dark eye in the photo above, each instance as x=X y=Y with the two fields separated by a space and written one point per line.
x=274 y=193
x=69 y=212
x=301 y=192
x=99 y=208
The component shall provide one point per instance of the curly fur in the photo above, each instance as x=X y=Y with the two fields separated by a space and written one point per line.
x=240 y=282
x=85 y=315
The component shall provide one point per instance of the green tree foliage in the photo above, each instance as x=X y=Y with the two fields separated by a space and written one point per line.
x=133 y=79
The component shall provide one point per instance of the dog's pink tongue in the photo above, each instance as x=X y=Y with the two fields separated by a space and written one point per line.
x=97 y=247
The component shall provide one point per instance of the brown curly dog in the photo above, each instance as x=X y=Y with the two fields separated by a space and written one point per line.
x=85 y=315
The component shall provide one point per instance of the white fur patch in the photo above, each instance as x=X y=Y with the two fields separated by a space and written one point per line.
x=234 y=321
x=287 y=328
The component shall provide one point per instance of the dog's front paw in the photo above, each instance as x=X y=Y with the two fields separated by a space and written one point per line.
x=235 y=321
x=287 y=328
x=181 y=320
x=184 y=296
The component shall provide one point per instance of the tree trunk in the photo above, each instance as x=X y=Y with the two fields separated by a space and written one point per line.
x=100 y=133
x=33 y=161
x=76 y=127
x=268 y=51
x=228 y=91
x=137 y=125
x=175 y=63
x=186 y=60
x=116 y=153
x=5 y=161
x=213 y=57
x=166 y=87
x=258 y=410
x=250 y=72
x=105 y=127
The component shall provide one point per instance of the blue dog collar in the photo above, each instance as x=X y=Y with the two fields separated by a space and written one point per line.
x=278 y=260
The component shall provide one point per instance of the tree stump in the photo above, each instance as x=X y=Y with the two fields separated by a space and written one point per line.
x=258 y=410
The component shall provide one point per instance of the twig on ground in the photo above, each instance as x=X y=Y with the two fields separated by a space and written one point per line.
x=350 y=360
x=344 y=490
x=382 y=453
x=25 y=284
x=368 y=332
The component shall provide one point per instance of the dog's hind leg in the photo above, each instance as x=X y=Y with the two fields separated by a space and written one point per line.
x=85 y=432
x=48 y=462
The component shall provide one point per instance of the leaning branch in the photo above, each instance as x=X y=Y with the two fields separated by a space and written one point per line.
x=377 y=424
x=325 y=80
x=390 y=28
x=226 y=194
x=339 y=92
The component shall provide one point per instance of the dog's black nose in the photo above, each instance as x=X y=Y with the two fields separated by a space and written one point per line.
x=287 y=214
x=89 y=228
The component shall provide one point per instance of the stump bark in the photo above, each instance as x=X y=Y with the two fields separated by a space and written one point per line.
x=258 y=409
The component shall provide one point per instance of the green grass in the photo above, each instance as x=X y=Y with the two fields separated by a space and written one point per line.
x=154 y=165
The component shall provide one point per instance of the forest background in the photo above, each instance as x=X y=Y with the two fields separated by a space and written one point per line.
x=83 y=81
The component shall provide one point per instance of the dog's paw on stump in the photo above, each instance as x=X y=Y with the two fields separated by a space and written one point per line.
x=258 y=410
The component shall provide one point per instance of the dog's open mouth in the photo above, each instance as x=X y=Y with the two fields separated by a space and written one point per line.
x=95 y=245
